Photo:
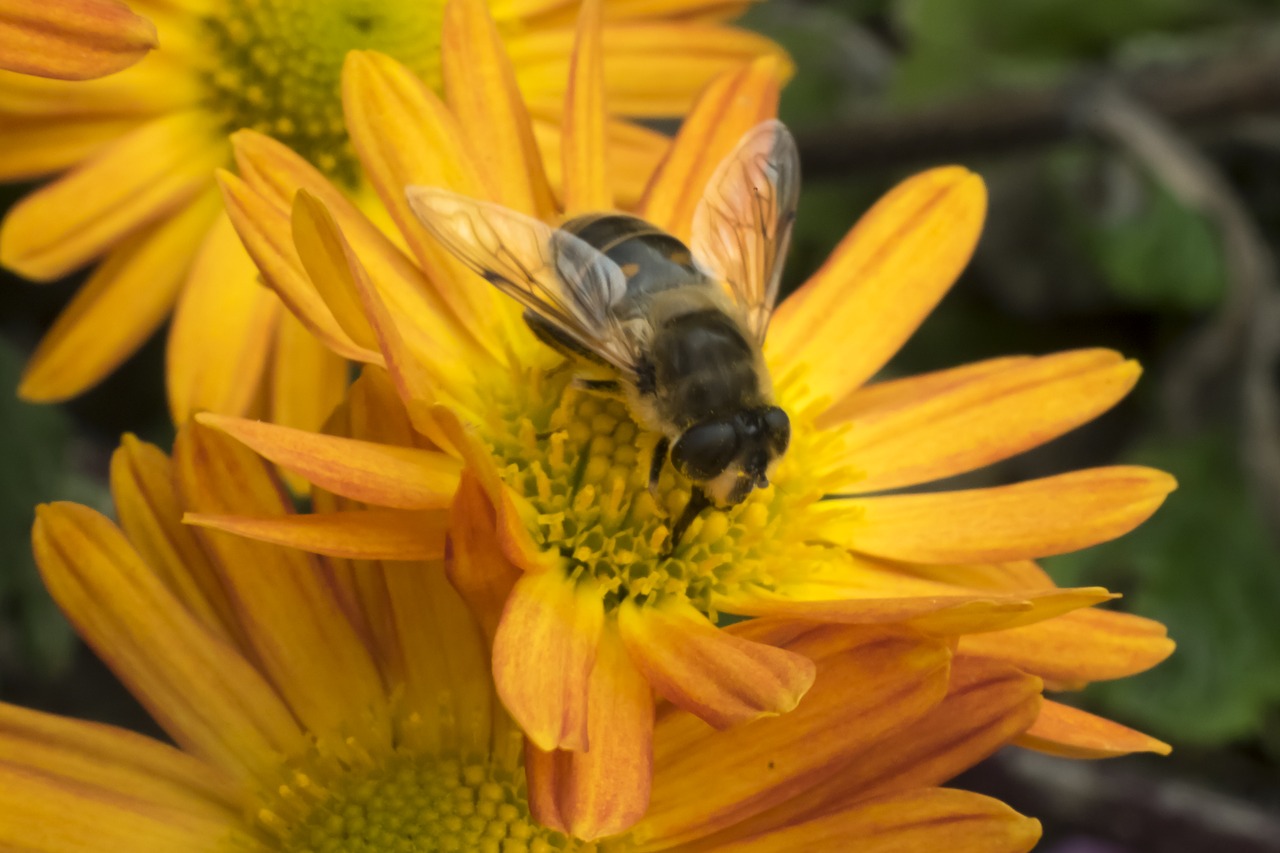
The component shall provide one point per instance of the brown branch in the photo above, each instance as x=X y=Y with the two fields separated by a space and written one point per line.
x=998 y=123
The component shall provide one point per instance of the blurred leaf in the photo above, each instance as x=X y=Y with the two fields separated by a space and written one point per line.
x=1206 y=567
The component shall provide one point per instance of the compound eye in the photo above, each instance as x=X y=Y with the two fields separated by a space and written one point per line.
x=778 y=428
x=705 y=450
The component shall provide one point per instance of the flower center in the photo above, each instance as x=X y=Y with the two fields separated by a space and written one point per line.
x=277 y=66
x=583 y=463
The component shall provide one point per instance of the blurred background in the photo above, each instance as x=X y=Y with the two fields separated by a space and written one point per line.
x=1132 y=150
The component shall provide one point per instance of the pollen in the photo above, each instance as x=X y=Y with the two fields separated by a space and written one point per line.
x=582 y=461
x=275 y=66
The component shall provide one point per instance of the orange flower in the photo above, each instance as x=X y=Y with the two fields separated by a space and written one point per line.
x=556 y=541
x=71 y=39
x=322 y=704
x=141 y=148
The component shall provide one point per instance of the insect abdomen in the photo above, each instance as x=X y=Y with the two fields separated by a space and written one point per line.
x=651 y=259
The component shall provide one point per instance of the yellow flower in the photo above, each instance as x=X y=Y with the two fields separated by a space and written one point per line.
x=555 y=539
x=320 y=704
x=142 y=147
x=71 y=39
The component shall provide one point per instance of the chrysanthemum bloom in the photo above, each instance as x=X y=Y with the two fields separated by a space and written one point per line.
x=71 y=39
x=320 y=704
x=142 y=147
x=570 y=577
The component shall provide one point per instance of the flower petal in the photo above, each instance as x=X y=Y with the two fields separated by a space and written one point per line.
x=72 y=39
x=870 y=683
x=1036 y=518
x=893 y=393
x=543 y=654
x=735 y=102
x=605 y=790
x=711 y=673
x=381 y=474
x=479 y=570
x=289 y=612
x=929 y=819
x=881 y=282
x=585 y=156
x=1079 y=647
x=148 y=90
x=307 y=379
x=1071 y=733
x=202 y=691
x=223 y=309
x=117 y=308
x=30 y=148
x=386 y=534
x=977 y=423
x=633 y=153
x=138 y=180
x=480 y=88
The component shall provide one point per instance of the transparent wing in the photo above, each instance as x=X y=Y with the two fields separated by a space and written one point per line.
x=551 y=272
x=742 y=227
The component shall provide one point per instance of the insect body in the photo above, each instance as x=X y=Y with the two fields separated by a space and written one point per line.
x=676 y=331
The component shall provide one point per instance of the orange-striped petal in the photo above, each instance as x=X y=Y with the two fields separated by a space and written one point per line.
x=880 y=282
x=543 y=654
x=1079 y=647
x=870 y=683
x=735 y=102
x=1071 y=733
x=691 y=55
x=633 y=153
x=923 y=820
x=202 y=692
x=30 y=148
x=399 y=477
x=605 y=790
x=380 y=534
x=138 y=180
x=894 y=393
x=224 y=309
x=120 y=305
x=974 y=424
x=585 y=155
x=1036 y=518
x=480 y=88
x=479 y=570
x=724 y=679
x=289 y=612
x=307 y=379
x=72 y=39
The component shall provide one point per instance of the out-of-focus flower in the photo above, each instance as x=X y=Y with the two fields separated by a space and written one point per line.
x=71 y=39
x=556 y=541
x=325 y=704
x=141 y=148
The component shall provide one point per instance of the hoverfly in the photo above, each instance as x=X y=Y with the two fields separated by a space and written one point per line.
x=675 y=330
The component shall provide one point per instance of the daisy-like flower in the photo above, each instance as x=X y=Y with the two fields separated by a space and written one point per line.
x=71 y=39
x=323 y=704
x=557 y=542
x=140 y=149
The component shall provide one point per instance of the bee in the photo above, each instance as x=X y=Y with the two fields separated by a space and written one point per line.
x=674 y=330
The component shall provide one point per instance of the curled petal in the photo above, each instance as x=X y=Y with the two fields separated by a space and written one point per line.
x=1072 y=733
x=479 y=570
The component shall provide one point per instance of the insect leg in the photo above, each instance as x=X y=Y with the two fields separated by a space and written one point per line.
x=655 y=466
x=604 y=387
x=698 y=501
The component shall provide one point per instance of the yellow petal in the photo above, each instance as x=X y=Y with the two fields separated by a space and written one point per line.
x=1071 y=733
x=72 y=39
x=735 y=102
x=384 y=534
x=480 y=88
x=152 y=88
x=307 y=379
x=604 y=790
x=202 y=692
x=974 y=424
x=870 y=683
x=929 y=819
x=479 y=570
x=400 y=477
x=224 y=309
x=721 y=678
x=143 y=493
x=690 y=55
x=585 y=155
x=543 y=654
x=320 y=248
x=895 y=393
x=633 y=153
x=143 y=177
x=880 y=282
x=289 y=612
x=33 y=147
x=117 y=308
x=1037 y=518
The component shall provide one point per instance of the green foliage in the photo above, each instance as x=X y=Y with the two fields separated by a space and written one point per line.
x=1206 y=567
